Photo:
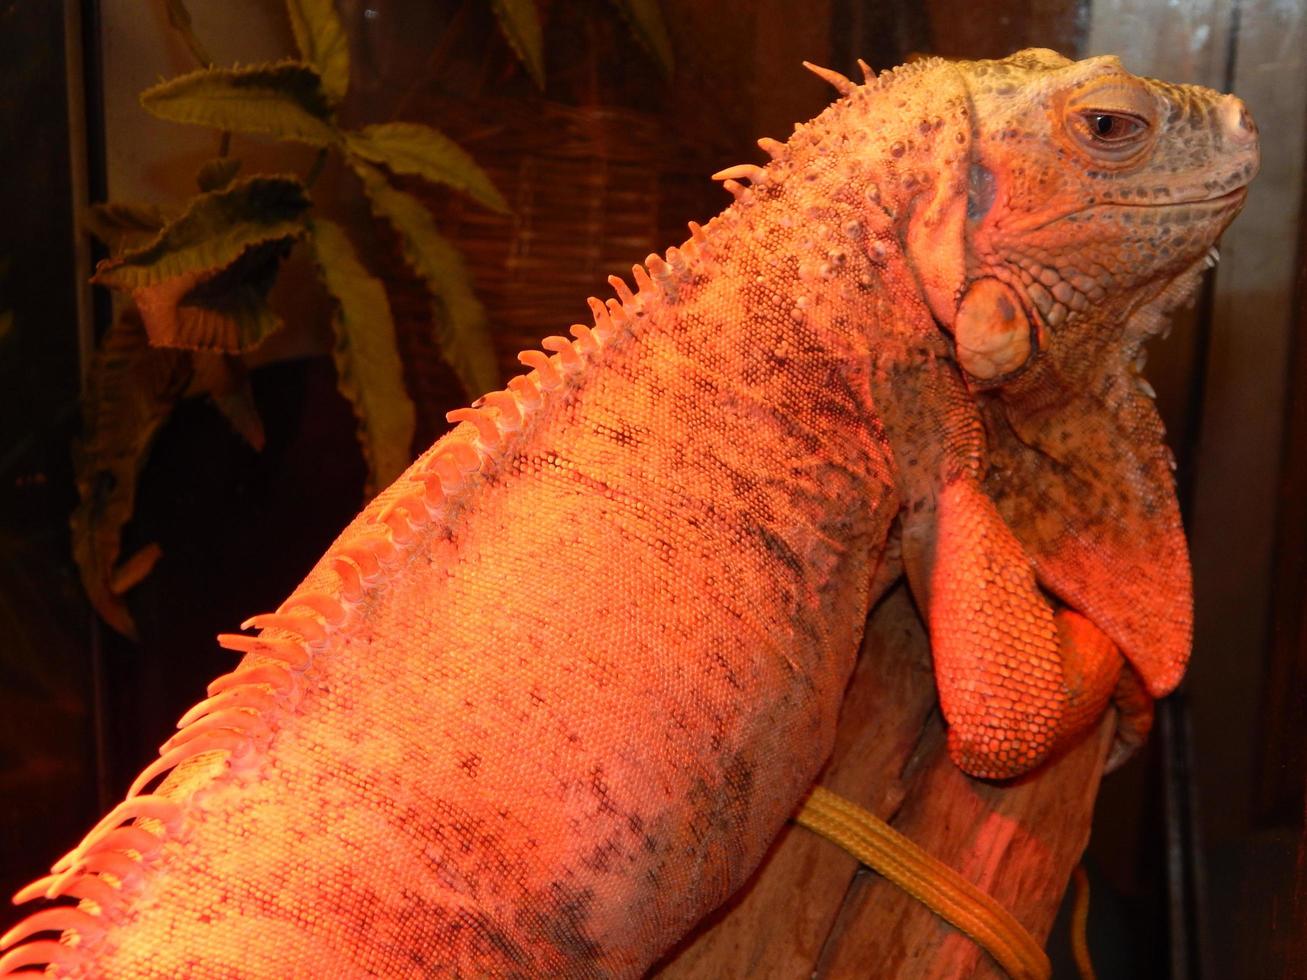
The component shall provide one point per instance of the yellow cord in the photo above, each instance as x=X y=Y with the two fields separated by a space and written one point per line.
x=1080 y=924
x=953 y=898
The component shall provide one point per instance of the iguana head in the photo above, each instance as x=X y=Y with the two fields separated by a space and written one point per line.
x=1094 y=200
x=1091 y=189
x=1049 y=213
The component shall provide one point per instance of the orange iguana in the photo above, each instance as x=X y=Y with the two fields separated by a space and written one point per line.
x=545 y=702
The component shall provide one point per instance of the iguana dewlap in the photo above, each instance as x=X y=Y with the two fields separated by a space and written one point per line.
x=545 y=702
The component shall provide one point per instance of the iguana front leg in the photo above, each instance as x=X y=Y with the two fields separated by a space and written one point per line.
x=1016 y=681
x=995 y=644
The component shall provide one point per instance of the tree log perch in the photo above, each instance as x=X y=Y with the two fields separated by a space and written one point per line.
x=812 y=910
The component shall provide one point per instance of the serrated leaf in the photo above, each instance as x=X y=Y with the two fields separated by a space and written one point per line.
x=645 y=18
x=216 y=174
x=368 y=368
x=212 y=232
x=411 y=148
x=131 y=391
x=203 y=281
x=519 y=22
x=216 y=310
x=460 y=326
x=122 y=223
x=322 y=42
x=284 y=99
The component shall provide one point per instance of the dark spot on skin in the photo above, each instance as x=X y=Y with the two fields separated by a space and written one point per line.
x=1005 y=309
x=566 y=912
x=599 y=790
x=980 y=191
x=604 y=857
x=739 y=785
x=458 y=935
x=777 y=548
x=728 y=671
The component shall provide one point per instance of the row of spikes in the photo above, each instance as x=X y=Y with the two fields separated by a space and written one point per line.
x=238 y=716
x=436 y=483
x=775 y=149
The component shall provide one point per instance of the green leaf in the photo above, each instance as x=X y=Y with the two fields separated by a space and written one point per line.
x=461 y=329
x=321 y=39
x=216 y=310
x=368 y=368
x=132 y=571
x=120 y=223
x=203 y=281
x=411 y=148
x=519 y=22
x=216 y=174
x=645 y=18
x=213 y=231
x=285 y=100
x=131 y=391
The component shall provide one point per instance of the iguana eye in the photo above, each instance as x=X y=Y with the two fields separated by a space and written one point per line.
x=1112 y=127
x=1110 y=118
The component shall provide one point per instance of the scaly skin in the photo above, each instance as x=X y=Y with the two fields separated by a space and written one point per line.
x=547 y=700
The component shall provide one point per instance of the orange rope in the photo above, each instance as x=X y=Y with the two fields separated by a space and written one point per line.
x=1080 y=924
x=933 y=883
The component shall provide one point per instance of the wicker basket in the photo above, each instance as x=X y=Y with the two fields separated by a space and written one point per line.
x=591 y=193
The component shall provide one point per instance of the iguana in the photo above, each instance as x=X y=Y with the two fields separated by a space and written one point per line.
x=546 y=700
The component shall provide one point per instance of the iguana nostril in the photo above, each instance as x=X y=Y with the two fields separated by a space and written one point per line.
x=1236 y=121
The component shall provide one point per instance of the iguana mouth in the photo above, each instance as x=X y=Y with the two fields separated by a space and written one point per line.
x=1230 y=200
x=1235 y=196
x=1200 y=209
x=1214 y=203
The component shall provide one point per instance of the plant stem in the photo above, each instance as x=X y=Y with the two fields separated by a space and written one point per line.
x=179 y=19
x=316 y=169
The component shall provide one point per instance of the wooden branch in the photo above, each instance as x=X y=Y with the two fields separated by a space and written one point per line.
x=811 y=910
